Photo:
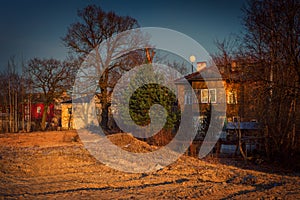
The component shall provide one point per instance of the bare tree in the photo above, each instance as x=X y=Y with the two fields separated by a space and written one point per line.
x=272 y=46
x=11 y=97
x=228 y=51
x=227 y=56
x=51 y=78
x=99 y=27
x=5 y=102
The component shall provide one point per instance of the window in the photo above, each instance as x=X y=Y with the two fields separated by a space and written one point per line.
x=198 y=95
x=232 y=97
x=201 y=95
x=208 y=96
x=204 y=96
x=188 y=97
x=212 y=96
x=38 y=110
x=199 y=122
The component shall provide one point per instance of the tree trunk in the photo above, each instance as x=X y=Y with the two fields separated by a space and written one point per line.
x=44 y=117
x=103 y=83
x=10 y=106
x=29 y=114
x=240 y=142
x=16 y=118
x=241 y=146
x=104 y=117
x=23 y=115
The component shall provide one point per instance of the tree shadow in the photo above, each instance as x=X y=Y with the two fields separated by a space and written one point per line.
x=256 y=164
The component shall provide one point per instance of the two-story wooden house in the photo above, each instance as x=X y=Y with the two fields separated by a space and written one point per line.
x=226 y=91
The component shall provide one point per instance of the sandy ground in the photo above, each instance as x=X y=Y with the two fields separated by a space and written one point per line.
x=55 y=165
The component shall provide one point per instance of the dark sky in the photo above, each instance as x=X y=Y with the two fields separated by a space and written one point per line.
x=33 y=28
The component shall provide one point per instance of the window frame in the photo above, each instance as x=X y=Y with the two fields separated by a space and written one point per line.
x=188 y=97
x=39 y=109
x=210 y=96
x=204 y=99
x=198 y=96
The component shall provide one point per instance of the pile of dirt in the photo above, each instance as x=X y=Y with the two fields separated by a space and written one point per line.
x=129 y=143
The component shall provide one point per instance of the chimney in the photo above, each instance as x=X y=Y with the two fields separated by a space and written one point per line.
x=233 y=66
x=200 y=66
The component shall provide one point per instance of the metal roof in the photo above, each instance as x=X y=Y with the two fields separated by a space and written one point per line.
x=242 y=125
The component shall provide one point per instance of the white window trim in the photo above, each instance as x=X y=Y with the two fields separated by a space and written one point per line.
x=206 y=99
x=198 y=96
x=188 y=98
x=215 y=96
x=38 y=109
x=207 y=94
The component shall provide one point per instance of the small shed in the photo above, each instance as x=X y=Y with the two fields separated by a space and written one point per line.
x=250 y=136
x=84 y=112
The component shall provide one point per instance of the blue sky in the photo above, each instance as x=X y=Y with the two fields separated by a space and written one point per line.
x=33 y=28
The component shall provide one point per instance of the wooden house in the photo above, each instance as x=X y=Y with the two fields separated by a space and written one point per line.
x=218 y=88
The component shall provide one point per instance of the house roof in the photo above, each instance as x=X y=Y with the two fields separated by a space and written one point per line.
x=67 y=101
x=84 y=99
x=206 y=73
x=211 y=73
